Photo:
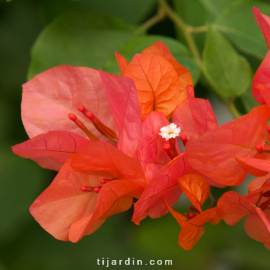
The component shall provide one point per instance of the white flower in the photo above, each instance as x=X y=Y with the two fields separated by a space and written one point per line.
x=170 y=131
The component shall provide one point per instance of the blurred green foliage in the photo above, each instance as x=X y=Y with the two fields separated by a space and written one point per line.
x=233 y=77
x=87 y=32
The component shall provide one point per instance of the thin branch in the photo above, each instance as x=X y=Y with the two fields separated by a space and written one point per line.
x=195 y=30
x=187 y=33
x=183 y=27
x=150 y=23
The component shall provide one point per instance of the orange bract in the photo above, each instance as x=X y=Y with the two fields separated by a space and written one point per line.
x=196 y=189
x=232 y=207
x=159 y=48
x=156 y=81
x=122 y=62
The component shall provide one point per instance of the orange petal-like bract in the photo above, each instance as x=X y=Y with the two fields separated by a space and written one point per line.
x=123 y=100
x=212 y=154
x=196 y=189
x=114 y=197
x=258 y=183
x=122 y=62
x=67 y=212
x=51 y=150
x=232 y=207
x=101 y=156
x=254 y=166
x=193 y=229
x=163 y=187
x=63 y=203
x=159 y=48
x=156 y=81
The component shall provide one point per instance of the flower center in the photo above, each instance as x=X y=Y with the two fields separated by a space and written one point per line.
x=170 y=131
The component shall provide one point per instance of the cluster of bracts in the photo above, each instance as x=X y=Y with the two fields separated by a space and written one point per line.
x=126 y=147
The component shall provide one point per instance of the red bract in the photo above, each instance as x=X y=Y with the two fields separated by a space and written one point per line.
x=264 y=23
x=232 y=207
x=212 y=154
x=76 y=203
x=197 y=190
x=160 y=80
x=124 y=106
x=150 y=151
x=49 y=97
x=260 y=84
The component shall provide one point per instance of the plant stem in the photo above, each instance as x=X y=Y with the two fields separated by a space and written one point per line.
x=184 y=28
x=150 y=23
x=199 y=29
x=233 y=109
x=187 y=33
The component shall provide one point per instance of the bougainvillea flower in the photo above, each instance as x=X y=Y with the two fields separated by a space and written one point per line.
x=51 y=96
x=87 y=190
x=212 y=153
x=232 y=207
x=197 y=190
x=261 y=81
x=195 y=117
x=160 y=80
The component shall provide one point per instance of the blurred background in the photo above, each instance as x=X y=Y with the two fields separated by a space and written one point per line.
x=38 y=34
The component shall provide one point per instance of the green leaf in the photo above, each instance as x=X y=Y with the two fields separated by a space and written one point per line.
x=241 y=28
x=130 y=11
x=79 y=38
x=228 y=73
x=199 y=12
x=138 y=44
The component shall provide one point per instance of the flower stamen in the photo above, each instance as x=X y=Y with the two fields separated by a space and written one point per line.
x=88 y=188
x=104 y=130
x=80 y=125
